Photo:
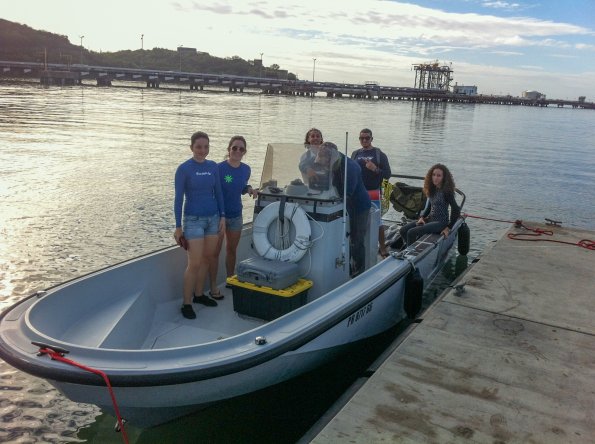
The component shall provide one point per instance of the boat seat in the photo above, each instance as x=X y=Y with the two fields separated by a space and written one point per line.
x=106 y=326
x=424 y=242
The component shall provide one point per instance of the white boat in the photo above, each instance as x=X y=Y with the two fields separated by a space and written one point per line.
x=125 y=320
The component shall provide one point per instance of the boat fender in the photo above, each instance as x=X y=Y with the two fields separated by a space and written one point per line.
x=260 y=229
x=414 y=288
x=464 y=239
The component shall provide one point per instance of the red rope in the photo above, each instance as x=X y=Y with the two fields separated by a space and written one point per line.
x=60 y=357
x=536 y=232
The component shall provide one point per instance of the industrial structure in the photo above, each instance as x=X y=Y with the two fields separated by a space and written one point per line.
x=432 y=76
x=533 y=95
x=464 y=89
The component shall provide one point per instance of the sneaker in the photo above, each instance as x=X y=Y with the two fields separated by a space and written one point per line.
x=188 y=311
x=204 y=300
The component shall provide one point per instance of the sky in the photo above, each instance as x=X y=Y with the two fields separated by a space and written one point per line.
x=502 y=47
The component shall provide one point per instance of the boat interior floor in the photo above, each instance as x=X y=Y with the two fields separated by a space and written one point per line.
x=171 y=329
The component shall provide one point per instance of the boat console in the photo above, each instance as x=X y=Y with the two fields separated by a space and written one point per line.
x=298 y=216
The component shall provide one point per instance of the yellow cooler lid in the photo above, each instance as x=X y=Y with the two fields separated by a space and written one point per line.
x=300 y=286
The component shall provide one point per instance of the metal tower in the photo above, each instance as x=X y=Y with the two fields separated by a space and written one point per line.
x=433 y=76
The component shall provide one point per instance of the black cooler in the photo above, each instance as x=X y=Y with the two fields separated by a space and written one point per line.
x=268 y=289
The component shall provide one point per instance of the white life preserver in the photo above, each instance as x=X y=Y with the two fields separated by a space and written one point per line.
x=260 y=228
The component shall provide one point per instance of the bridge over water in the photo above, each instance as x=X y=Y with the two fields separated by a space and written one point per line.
x=61 y=74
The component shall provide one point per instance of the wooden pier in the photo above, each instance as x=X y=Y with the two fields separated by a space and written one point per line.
x=60 y=74
x=510 y=359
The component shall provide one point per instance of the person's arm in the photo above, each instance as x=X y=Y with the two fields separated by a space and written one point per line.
x=354 y=173
x=178 y=203
x=179 y=180
x=252 y=192
x=455 y=210
x=425 y=212
x=385 y=171
x=306 y=161
x=219 y=192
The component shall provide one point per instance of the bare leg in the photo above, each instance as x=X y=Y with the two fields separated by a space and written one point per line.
x=214 y=264
x=232 y=239
x=382 y=241
x=210 y=256
x=195 y=264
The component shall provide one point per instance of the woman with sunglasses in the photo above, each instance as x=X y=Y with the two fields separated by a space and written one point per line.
x=198 y=193
x=234 y=176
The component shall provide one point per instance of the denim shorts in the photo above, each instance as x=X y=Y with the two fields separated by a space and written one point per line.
x=197 y=227
x=234 y=223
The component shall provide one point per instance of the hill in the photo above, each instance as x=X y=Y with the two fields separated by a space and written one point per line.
x=22 y=43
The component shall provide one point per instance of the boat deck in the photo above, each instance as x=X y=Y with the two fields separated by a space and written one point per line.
x=509 y=359
x=211 y=324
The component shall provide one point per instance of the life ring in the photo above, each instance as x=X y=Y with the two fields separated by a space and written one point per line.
x=260 y=229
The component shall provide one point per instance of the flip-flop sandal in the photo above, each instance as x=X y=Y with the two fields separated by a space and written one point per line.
x=217 y=296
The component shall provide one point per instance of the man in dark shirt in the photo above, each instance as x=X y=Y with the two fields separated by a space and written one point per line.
x=358 y=201
x=375 y=168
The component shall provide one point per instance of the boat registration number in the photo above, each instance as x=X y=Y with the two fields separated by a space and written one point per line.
x=359 y=314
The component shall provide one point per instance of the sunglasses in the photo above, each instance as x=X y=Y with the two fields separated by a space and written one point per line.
x=241 y=149
x=364 y=138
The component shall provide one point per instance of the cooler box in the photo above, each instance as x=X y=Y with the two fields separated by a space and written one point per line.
x=265 y=302
x=268 y=273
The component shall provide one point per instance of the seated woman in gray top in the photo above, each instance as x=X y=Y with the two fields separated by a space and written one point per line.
x=439 y=188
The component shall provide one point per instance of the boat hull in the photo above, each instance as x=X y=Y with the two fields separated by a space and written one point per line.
x=155 y=385
x=147 y=406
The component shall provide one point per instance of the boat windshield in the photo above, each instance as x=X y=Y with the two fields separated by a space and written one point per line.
x=299 y=170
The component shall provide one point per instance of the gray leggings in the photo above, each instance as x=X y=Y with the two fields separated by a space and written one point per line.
x=411 y=232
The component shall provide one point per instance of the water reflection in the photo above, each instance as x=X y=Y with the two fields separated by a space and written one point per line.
x=427 y=121
x=86 y=180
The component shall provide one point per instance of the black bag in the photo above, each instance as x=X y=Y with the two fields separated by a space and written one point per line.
x=408 y=199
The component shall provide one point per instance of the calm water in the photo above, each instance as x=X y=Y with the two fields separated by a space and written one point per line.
x=86 y=180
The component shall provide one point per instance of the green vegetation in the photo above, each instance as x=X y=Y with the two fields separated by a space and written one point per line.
x=21 y=43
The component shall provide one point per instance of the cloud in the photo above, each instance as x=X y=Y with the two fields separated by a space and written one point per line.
x=275 y=15
x=532 y=67
x=585 y=46
x=564 y=56
x=507 y=53
x=349 y=39
x=501 y=5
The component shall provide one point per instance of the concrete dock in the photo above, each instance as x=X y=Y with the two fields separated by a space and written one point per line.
x=511 y=359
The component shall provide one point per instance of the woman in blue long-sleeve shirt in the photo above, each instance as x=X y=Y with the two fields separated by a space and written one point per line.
x=234 y=175
x=198 y=193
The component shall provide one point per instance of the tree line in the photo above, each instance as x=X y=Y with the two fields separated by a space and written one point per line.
x=22 y=43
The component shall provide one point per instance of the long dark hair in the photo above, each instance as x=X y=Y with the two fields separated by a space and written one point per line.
x=448 y=183
x=308 y=135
